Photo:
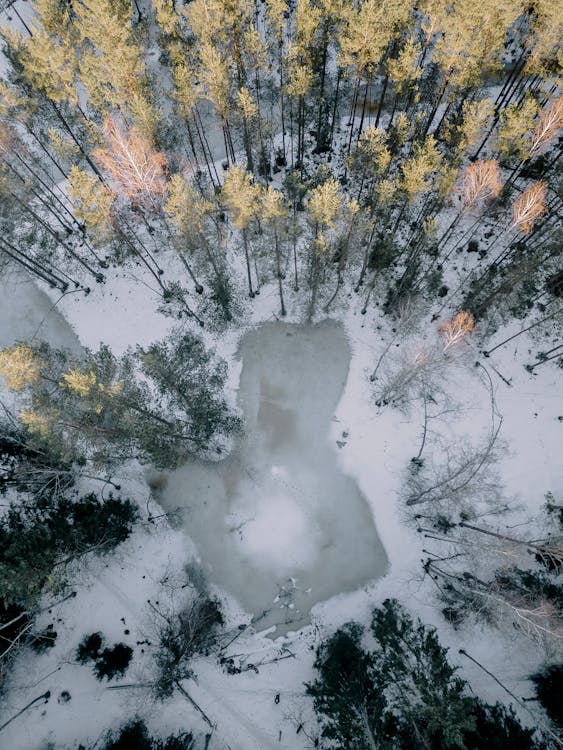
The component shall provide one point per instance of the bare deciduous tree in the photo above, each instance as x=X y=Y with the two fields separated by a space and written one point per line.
x=529 y=206
x=547 y=127
x=132 y=162
x=481 y=181
x=455 y=330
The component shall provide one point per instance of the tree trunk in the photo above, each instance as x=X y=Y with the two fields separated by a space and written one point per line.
x=279 y=273
x=247 y=257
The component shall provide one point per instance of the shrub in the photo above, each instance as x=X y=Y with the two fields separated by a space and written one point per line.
x=192 y=631
x=43 y=640
x=109 y=662
x=135 y=736
x=89 y=648
x=113 y=662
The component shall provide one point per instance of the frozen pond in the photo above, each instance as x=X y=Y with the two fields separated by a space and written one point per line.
x=27 y=314
x=277 y=524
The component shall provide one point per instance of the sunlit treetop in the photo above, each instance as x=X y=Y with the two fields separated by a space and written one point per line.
x=19 y=366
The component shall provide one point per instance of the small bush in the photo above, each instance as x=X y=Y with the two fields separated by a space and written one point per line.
x=113 y=662
x=110 y=663
x=90 y=647
x=193 y=631
x=135 y=736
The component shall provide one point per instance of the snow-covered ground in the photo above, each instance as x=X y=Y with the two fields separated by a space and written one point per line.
x=364 y=451
x=374 y=454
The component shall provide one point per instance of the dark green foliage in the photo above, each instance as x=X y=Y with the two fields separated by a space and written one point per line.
x=109 y=662
x=403 y=693
x=348 y=695
x=89 y=648
x=554 y=284
x=135 y=736
x=189 y=380
x=382 y=254
x=35 y=535
x=113 y=662
x=498 y=727
x=222 y=295
x=154 y=404
x=549 y=689
x=410 y=657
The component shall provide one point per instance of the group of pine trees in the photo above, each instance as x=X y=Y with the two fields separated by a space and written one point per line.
x=342 y=144
x=45 y=526
x=401 y=691
x=96 y=409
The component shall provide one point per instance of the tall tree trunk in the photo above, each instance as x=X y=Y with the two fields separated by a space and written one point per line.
x=247 y=258
x=321 y=131
x=334 y=108
x=278 y=271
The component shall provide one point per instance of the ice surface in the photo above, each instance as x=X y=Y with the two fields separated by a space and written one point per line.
x=278 y=524
x=27 y=314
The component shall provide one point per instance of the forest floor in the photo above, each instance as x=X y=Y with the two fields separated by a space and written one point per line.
x=113 y=592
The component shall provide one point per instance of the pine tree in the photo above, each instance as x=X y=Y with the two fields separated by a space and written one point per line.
x=324 y=207
x=102 y=409
x=215 y=86
x=276 y=20
x=241 y=197
x=366 y=39
x=110 y=60
x=189 y=213
x=515 y=129
x=92 y=201
x=274 y=212
x=417 y=170
x=49 y=59
x=469 y=46
x=403 y=692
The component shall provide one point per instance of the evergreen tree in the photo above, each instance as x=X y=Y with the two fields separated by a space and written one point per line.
x=548 y=684
x=190 y=212
x=241 y=196
x=101 y=408
x=39 y=535
x=274 y=212
x=403 y=693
